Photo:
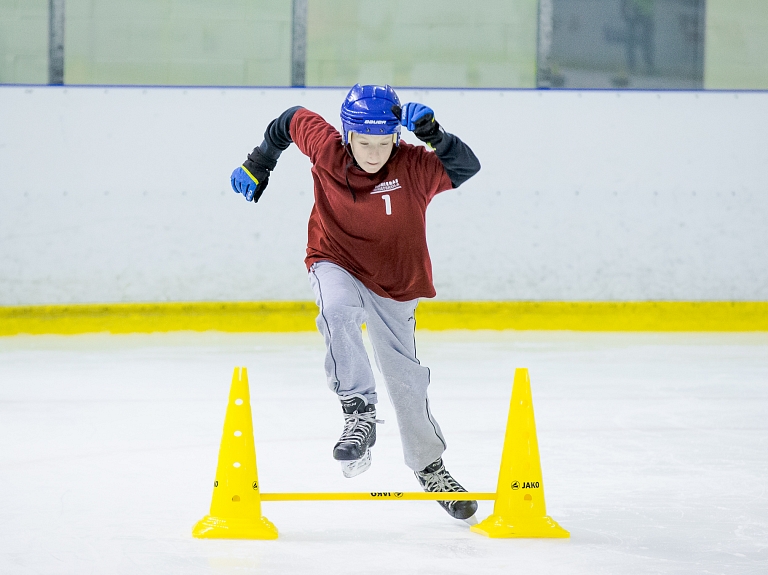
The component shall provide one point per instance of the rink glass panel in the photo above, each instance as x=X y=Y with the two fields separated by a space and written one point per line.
x=688 y=44
x=656 y=44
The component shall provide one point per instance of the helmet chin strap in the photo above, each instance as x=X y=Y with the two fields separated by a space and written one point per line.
x=346 y=178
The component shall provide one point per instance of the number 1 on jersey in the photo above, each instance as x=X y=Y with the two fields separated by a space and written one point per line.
x=387 y=204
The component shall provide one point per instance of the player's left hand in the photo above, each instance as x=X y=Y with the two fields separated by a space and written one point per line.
x=419 y=119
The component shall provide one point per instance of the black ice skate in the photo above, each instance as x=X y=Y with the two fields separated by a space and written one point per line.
x=435 y=478
x=353 y=448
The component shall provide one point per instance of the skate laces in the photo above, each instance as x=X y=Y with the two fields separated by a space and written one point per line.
x=357 y=426
x=440 y=480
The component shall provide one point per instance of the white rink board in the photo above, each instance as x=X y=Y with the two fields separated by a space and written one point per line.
x=122 y=195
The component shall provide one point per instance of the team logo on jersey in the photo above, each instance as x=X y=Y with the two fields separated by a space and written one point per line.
x=385 y=187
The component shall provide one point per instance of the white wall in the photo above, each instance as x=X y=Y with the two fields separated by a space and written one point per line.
x=122 y=194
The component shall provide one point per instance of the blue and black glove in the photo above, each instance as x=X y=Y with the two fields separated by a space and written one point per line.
x=420 y=120
x=244 y=182
x=252 y=178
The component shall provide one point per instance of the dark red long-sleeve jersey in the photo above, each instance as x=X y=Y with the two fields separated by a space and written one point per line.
x=377 y=230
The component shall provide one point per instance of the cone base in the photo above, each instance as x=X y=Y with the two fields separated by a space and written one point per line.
x=497 y=526
x=220 y=528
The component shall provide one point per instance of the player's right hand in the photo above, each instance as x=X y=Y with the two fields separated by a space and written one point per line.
x=248 y=184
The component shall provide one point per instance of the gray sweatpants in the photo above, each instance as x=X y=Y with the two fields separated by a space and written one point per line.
x=345 y=305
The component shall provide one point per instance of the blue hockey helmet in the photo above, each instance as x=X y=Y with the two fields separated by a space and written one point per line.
x=368 y=110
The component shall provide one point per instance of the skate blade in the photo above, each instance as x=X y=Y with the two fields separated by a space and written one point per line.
x=471 y=520
x=356 y=466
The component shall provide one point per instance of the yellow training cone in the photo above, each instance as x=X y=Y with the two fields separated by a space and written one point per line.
x=236 y=505
x=520 y=510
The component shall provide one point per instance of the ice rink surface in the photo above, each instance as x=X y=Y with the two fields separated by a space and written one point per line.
x=654 y=451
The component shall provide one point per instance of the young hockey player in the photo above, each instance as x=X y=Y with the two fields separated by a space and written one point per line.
x=368 y=262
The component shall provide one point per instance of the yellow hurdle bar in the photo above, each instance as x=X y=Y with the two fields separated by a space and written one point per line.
x=378 y=496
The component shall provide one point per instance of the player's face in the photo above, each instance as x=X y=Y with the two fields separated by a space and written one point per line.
x=371 y=152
